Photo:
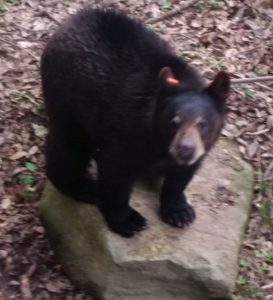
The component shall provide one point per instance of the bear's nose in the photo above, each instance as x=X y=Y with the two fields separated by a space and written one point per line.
x=186 y=150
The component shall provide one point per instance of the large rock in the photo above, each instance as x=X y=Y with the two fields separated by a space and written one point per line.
x=196 y=263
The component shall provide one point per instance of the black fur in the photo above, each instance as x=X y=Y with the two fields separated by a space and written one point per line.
x=105 y=100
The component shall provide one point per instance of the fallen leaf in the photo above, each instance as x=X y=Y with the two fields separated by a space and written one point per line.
x=31 y=166
x=38 y=25
x=3 y=253
x=2 y=140
x=269 y=121
x=33 y=150
x=251 y=149
x=230 y=130
x=6 y=203
x=242 y=149
x=26 y=179
x=39 y=130
x=196 y=24
x=25 y=288
x=18 y=155
x=3 y=69
x=25 y=44
x=166 y=4
x=54 y=287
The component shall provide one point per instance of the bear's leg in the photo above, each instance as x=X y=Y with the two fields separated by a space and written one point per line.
x=113 y=201
x=66 y=167
x=174 y=208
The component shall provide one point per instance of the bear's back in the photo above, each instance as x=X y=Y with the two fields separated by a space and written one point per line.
x=100 y=58
x=102 y=67
x=102 y=43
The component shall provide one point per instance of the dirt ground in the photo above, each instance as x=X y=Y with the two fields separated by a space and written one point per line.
x=213 y=35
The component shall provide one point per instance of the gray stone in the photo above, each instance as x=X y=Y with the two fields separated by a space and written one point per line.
x=196 y=263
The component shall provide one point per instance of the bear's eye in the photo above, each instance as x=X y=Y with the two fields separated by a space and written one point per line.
x=176 y=120
x=203 y=124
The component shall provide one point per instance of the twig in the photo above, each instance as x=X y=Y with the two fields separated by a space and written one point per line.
x=268 y=286
x=249 y=50
x=257 y=83
x=247 y=128
x=264 y=86
x=252 y=80
x=46 y=14
x=258 y=132
x=255 y=80
x=172 y=13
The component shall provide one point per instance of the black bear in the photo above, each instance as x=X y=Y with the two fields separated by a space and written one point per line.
x=117 y=93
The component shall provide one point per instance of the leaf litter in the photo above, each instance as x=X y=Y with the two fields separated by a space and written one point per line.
x=215 y=34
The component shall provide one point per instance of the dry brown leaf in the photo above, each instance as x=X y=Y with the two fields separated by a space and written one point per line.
x=25 y=44
x=25 y=288
x=2 y=140
x=251 y=149
x=54 y=286
x=269 y=121
x=3 y=253
x=196 y=23
x=33 y=150
x=242 y=149
x=18 y=155
x=39 y=130
x=6 y=203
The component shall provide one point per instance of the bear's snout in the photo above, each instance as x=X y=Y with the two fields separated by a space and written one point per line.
x=187 y=146
x=185 y=150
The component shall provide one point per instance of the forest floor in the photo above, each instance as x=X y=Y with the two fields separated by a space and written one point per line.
x=214 y=34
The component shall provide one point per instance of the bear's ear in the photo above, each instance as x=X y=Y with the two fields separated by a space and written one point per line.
x=167 y=81
x=220 y=87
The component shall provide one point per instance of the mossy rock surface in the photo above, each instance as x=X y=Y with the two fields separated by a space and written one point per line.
x=196 y=263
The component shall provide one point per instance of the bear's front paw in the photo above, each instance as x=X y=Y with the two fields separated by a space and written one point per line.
x=178 y=217
x=127 y=224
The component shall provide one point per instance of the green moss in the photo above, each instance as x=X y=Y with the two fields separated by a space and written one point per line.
x=77 y=239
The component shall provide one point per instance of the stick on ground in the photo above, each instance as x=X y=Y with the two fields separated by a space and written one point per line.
x=253 y=79
x=172 y=13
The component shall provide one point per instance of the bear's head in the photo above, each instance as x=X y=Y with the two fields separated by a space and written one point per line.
x=189 y=120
